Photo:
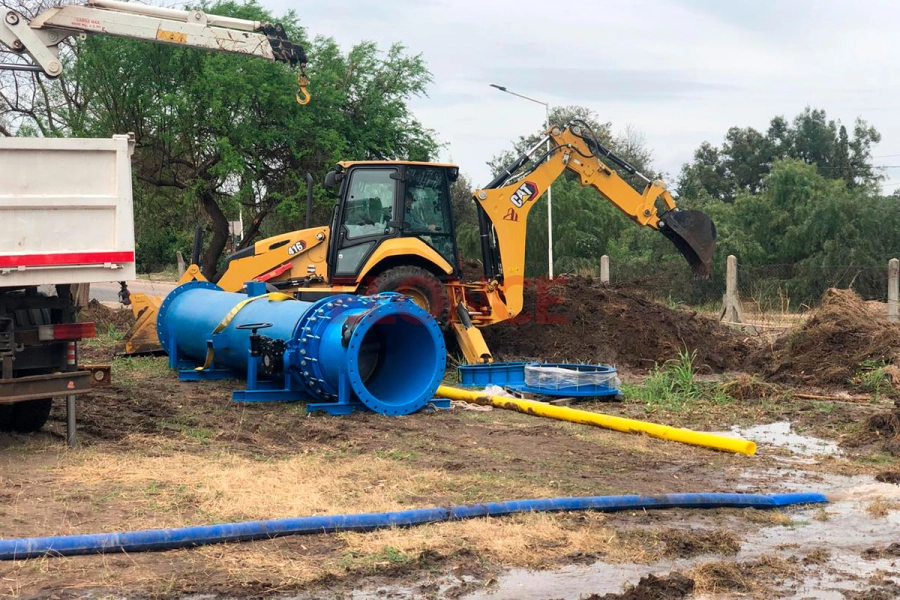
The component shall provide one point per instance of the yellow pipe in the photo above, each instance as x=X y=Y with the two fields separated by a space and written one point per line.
x=561 y=413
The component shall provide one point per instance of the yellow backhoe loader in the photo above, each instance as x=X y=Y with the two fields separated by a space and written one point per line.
x=392 y=229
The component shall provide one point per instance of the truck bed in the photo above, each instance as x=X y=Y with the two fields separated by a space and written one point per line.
x=66 y=212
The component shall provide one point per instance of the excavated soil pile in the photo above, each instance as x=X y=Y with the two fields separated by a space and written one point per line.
x=673 y=586
x=833 y=345
x=106 y=318
x=882 y=430
x=578 y=320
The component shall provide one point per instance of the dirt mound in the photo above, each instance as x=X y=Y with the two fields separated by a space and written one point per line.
x=671 y=587
x=881 y=431
x=470 y=270
x=578 y=320
x=889 y=477
x=686 y=544
x=749 y=387
x=877 y=552
x=830 y=348
x=107 y=319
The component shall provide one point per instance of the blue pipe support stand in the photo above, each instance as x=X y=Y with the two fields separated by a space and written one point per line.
x=187 y=537
x=342 y=353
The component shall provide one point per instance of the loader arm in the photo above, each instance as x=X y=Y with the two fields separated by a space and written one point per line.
x=38 y=40
x=505 y=203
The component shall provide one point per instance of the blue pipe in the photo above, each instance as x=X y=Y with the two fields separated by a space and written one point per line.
x=185 y=537
x=384 y=351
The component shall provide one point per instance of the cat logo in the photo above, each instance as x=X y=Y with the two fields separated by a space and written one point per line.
x=297 y=248
x=511 y=215
x=527 y=191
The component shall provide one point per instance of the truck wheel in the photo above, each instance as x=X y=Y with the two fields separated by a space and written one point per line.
x=27 y=417
x=420 y=285
x=6 y=417
x=30 y=416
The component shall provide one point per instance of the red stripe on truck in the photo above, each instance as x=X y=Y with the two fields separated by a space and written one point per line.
x=68 y=258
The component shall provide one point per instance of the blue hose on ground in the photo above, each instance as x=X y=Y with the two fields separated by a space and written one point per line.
x=185 y=537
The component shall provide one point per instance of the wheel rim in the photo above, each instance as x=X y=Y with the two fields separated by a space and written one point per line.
x=417 y=296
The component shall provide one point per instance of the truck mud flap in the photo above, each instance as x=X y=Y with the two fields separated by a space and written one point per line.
x=38 y=387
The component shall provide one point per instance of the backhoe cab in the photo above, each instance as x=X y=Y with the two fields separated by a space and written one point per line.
x=391 y=230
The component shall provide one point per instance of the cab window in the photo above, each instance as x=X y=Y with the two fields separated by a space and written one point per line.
x=426 y=209
x=425 y=201
x=370 y=202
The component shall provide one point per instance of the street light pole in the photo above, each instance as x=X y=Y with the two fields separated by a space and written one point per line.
x=549 y=187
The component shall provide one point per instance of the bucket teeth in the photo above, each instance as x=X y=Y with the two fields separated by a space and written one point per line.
x=694 y=234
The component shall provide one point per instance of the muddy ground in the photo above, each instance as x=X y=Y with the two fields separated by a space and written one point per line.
x=156 y=452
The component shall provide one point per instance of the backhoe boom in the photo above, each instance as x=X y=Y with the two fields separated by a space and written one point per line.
x=505 y=203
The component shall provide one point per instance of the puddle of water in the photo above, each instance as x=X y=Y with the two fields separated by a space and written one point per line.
x=780 y=435
x=847 y=531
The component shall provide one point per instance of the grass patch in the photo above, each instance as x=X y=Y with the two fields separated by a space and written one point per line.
x=873 y=377
x=674 y=384
x=876 y=459
x=132 y=370
x=398 y=455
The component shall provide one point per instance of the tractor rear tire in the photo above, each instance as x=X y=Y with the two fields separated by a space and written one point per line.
x=421 y=285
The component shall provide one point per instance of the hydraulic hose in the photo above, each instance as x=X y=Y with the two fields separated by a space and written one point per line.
x=562 y=413
x=186 y=537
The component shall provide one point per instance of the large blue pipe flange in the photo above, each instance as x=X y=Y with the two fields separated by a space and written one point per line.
x=390 y=351
x=161 y=320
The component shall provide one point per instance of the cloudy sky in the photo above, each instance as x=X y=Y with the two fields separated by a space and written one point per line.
x=680 y=71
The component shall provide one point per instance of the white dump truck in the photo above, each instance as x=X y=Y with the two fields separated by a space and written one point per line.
x=65 y=204
x=66 y=217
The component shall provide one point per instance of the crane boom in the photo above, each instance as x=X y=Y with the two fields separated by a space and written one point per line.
x=39 y=38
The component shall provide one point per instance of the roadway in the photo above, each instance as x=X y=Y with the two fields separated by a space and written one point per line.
x=109 y=292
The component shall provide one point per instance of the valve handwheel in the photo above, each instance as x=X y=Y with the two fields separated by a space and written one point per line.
x=254 y=337
x=253 y=327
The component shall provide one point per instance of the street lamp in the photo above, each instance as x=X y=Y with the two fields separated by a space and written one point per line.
x=549 y=188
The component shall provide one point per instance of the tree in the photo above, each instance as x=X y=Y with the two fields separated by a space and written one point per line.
x=218 y=134
x=465 y=215
x=746 y=156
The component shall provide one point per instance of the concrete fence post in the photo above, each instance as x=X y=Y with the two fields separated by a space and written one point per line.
x=893 y=288
x=731 y=301
x=180 y=258
x=604 y=269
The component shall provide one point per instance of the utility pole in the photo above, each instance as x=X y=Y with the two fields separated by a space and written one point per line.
x=549 y=187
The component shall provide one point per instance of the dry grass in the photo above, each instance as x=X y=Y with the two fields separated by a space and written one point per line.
x=172 y=490
x=104 y=490
x=880 y=507
x=751 y=578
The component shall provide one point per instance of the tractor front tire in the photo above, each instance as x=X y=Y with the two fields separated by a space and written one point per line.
x=419 y=284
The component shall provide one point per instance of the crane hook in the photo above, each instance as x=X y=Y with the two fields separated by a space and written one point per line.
x=302 y=94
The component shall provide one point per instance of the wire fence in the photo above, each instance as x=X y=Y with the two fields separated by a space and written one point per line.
x=773 y=296
x=781 y=295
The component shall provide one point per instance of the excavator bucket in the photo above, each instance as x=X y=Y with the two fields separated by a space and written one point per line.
x=142 y=339
x=694 y=234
